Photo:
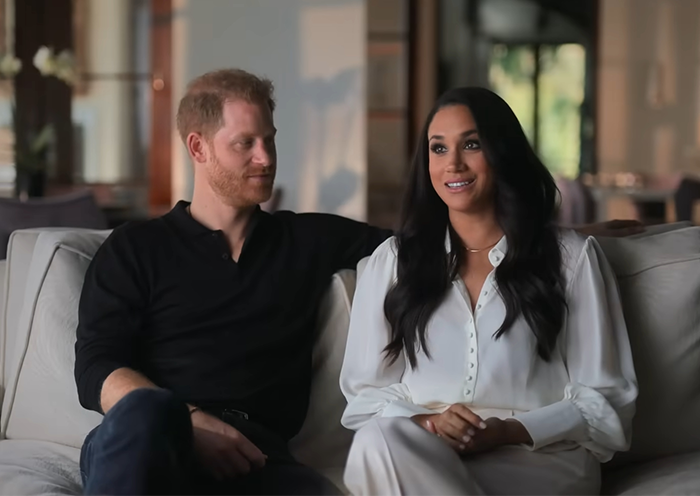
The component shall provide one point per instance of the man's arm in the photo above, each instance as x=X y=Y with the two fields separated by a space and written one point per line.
x=611 y=228
x=348 y=241
x=111 y=310
x=120 y=383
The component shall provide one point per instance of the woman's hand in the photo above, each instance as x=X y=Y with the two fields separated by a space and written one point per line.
x=497 y=433
x=477 y=439
x=457 y=425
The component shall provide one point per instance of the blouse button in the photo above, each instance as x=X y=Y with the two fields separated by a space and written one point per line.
x=469 y=391
x=471 y=335
x=470 y=378
x=471 y=365
x=471 y=350
x=478 y=306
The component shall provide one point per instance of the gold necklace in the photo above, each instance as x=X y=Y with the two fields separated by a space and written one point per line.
x=472 y=250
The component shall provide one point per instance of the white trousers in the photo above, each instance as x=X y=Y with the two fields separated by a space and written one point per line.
x=395 y=456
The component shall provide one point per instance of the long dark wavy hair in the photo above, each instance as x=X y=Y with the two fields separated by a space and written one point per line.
x=529 y=278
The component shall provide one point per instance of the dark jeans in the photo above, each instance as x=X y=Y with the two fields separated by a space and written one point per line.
x=144 y=446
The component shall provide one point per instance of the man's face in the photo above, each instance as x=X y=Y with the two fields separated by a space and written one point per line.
x=242 y=158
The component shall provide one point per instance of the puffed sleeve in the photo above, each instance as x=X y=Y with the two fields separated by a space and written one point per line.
x=371 y=386
x=598 y=403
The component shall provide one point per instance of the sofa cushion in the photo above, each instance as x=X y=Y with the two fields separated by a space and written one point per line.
x=38 y=467
x=19 y=254
x=678 y=475
x=323 y=443
x=659 y=282
x=41 y=402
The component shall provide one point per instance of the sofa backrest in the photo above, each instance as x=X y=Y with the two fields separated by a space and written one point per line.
x=41 y=400
x=659 y=281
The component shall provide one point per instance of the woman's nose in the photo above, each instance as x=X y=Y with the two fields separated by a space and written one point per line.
x=456 y=164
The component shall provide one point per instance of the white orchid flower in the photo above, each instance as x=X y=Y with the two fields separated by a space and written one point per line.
x=10 y=65
x=44 y=61
x=64 y=67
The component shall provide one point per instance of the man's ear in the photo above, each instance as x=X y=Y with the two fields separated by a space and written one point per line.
x=197 y=148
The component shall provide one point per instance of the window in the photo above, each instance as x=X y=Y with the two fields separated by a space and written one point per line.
x=544 y=85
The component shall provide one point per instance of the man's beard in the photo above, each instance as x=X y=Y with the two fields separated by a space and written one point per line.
x=231 y=189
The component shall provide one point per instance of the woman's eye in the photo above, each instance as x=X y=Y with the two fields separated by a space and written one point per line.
x=437 y=148
x=472 y=145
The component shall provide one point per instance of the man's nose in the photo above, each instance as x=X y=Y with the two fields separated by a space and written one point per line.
x=265 y=154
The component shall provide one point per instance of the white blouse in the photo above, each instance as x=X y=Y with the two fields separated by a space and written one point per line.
x=585 y=395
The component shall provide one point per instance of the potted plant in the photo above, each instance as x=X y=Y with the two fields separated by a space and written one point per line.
x=31 y=150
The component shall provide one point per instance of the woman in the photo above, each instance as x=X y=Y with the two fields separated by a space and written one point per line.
x=487 y=351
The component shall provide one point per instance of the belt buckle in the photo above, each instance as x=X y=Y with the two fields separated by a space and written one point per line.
x=237 y=413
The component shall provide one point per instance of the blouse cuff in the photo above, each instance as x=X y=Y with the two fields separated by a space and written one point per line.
x=400 y=408
x=561 y=421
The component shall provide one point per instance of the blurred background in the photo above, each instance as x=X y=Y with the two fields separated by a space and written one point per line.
x=608 y=92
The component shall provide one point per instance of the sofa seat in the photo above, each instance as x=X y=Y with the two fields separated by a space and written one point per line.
x=41 y=467
x=38 y=467
x=677 y=475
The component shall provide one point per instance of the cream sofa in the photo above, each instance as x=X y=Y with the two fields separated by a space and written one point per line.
x=42 y=425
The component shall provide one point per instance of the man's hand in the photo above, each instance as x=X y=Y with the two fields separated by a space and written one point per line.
x=612 y=228
x=223 y=450
x=457 y=425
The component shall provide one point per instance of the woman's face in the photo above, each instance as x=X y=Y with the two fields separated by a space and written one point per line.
x=458 y=168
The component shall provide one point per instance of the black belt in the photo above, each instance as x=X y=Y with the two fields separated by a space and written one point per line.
x=273 y=444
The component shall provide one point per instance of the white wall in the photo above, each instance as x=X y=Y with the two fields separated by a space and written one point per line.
x=314 y=51
x=649 y=86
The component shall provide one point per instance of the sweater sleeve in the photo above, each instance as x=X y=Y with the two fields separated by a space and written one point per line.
x=110 y=316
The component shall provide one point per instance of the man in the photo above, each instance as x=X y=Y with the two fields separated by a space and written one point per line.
x=196 y=328
x=195 y=331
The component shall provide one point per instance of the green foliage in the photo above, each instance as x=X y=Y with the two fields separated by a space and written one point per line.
x=561 y=88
